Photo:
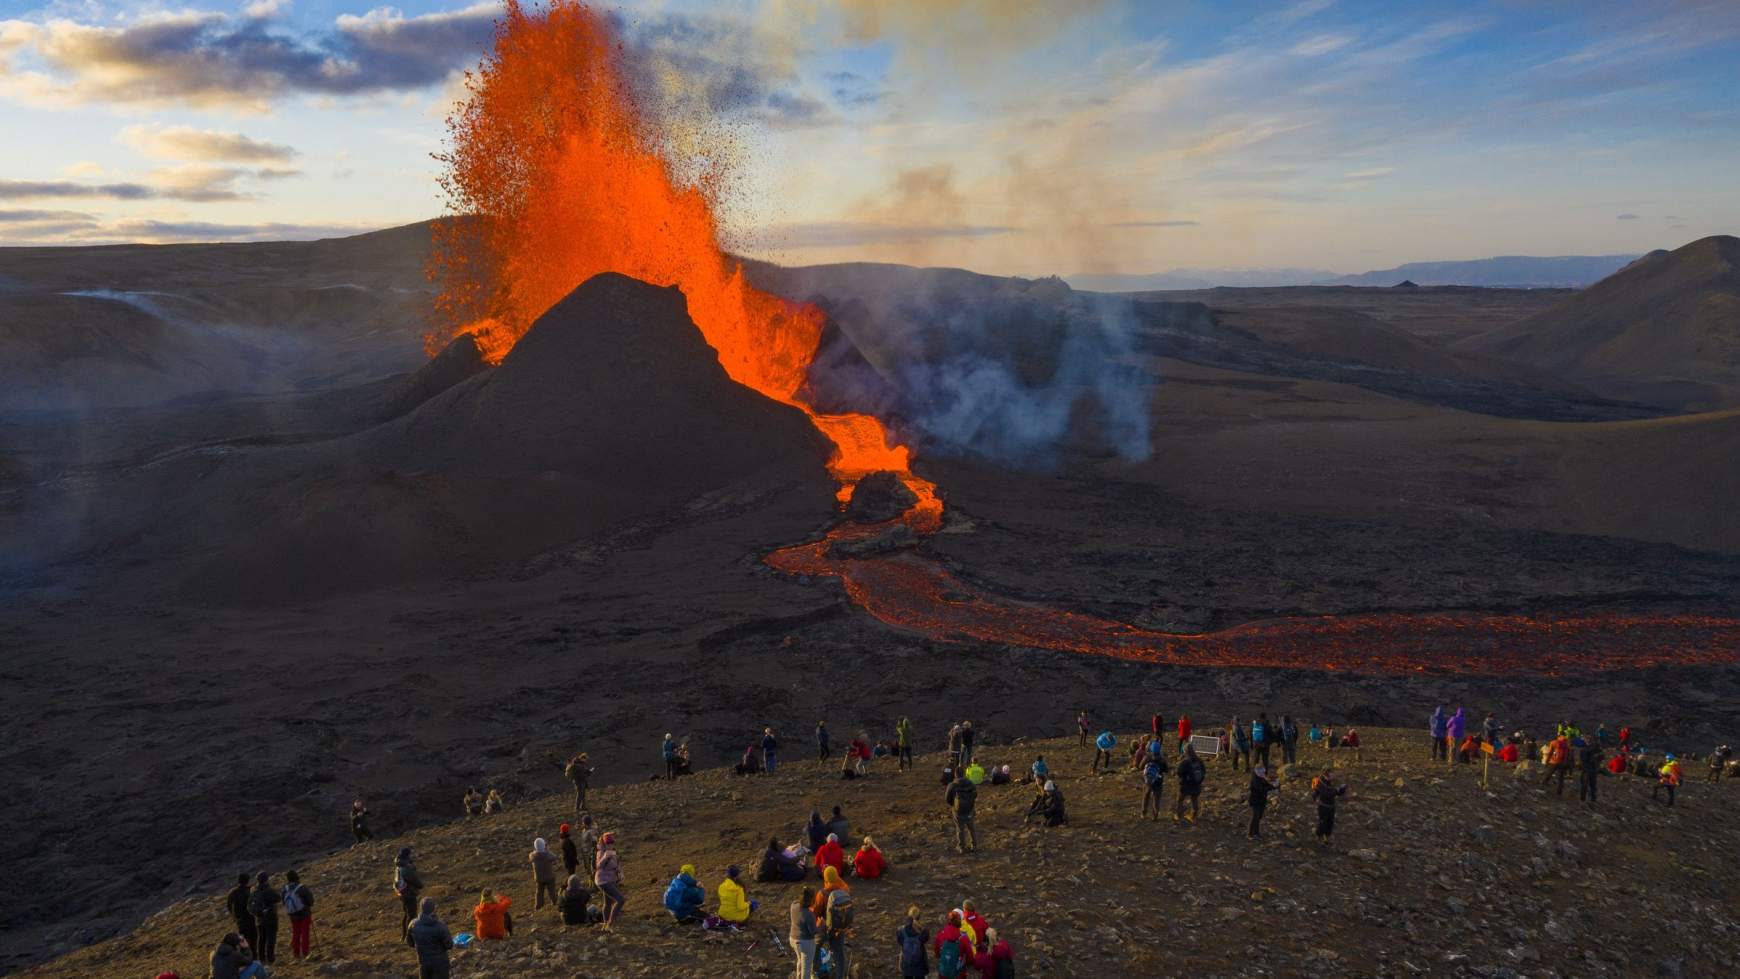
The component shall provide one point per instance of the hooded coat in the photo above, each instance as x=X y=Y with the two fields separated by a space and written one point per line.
x=544 y=863
x=431 y=940
x=684 y=897
x=1439 y=722
x=869 y=864
x=733 y=903
x=1458 y=725
x=832 y=854
x=491 y=918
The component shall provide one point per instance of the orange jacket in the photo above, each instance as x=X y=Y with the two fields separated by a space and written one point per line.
x=492 y=918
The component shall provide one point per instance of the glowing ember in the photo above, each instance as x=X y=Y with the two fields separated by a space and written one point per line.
x=558 y=175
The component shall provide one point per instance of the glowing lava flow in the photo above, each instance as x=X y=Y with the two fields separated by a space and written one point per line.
x=561 y=175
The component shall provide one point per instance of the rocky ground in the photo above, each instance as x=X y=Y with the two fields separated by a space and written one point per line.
x=1429 y=875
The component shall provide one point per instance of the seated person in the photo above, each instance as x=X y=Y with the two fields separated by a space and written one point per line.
x=751 y=763
x=683 y=759
x=574 y=901
x=473 y=802
x=948 y=775
x=1351 y=738
x=1510 y=753
x=494 y=803
x=868 y=862
x=491 y=916
x=780 y=863
x=734 y=905
x=1000 y=776
x=684 y=896
x=832 y=854
x=838 y=826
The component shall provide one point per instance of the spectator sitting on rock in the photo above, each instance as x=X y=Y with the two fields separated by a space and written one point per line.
x=734 y=904
x=493 y=803
x=817 y=830
x=779 y=863
x=1053 y=812
x=473 y=802
x=1001 y=776
x=1351 y=740
x=751 y=762
x=233 y=959
x=868 y=863
x=831 y=855
x=491 y=916
x=838 y=826
x=575 y=898
x=684 y=896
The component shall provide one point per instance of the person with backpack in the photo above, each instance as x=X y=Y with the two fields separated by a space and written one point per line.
x=608 y=877
x=1289 y=740
x=359 y=822
x=954 y=950
x=837 y=925
x=1324 y=792
x=1241 y=744
x=769 y=750
x=1262 y=738
x=803 y=934
x=1439 y=727
x=432 y=941
x=1103 y=746
x=407 y=884
x=1494 y=733
x=491 y=916
x=1191 y=774
x=1154 y=778
x=903 y=738
x=1261 y=786
x=960 y=797
x=236 y=902
x=575 y=899
x=233 y=959
x=914 y=944
x=997 y=961
x=669 y=750
x=543 y=873
x=1558 y=761
x=299 y=907
x=263 y=904
x=684 y=896
x=1667 y=778
x=579 y=771
x=1041 y=771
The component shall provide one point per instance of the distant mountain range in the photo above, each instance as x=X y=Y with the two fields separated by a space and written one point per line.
x=1505 y=271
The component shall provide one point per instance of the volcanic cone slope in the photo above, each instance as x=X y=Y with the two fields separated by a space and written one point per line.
x=611 y=409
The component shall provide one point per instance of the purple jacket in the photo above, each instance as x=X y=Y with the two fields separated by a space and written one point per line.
x=1438 y=722
x=1458 y=725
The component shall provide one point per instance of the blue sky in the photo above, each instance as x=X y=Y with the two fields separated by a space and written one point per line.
x=1066 y=136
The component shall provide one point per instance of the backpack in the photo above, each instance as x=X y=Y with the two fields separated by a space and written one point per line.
x=293 y=903
x=948 y=959
x=1005 y=969
x=839 y=912
x=912 y=945
x=1152 y=773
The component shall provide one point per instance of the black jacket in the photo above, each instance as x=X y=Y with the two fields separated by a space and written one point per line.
x=961 y=796
x=237 y=902
x=431 y=940
x=1191 y=774
x=573 y=906
x=264 y=903
x=227 y=962
x=1260 y=789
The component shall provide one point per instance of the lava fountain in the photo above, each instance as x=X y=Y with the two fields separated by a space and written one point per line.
x=558 y=174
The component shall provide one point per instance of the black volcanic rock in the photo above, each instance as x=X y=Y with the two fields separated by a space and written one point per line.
x=878 y=497
x=459 y=360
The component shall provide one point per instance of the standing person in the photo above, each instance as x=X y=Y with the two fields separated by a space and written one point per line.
x=960 y=797
x=570 y=853
x=1191 y=773
x=1081 y=725
x=1157 y=728
x=1719 y=762
x=299 y=907
x=493 y=803
x=588 y=846
x=579 y=771
x=1592 y=766
x=1324 y=791
x=1494 y=733
x=903 y=733
x=1668 y=778
x=432 y=941
x=1184 y=728
x=1154 y=778
x=1289 y=740
x=1261 y=786
x=263 y=902
x=669 y=751
x=955 y=746
x=359 y=822
x=1241 y=744
x=837 y=923
x=1625 y=737
x=237 y=903
x=913 y=941
x=769 y=750
x=1262 y=736
x=1103 y=746
x=954 y=950
x=803 y=934
x=1558 y=761
x=821 y=740
x=408 y=884
x=543 y=873
x=997 y=961
x=1453 y=734
x=966 y=742
x=1439 y=726
x=608 y=877
x=1041 y=771
x=473 y=802
x=575 y=898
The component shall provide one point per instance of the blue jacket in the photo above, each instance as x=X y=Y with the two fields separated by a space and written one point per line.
x=683 y=899
x=1458 y=725
x=1106 y=741
x=670 y=750
x=1439 y=723
x=1259 y=732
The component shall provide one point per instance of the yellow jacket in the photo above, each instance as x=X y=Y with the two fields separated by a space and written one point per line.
x=733 y=906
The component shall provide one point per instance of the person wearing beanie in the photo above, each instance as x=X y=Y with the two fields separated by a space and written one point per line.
x=684 y=896
x=734 y=904
x=543 y=873
x=570 y=855
x=574 y=902
x=263 y=902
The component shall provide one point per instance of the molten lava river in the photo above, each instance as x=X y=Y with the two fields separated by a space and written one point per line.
x=559 y=172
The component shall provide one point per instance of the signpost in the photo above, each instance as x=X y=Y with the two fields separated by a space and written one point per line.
x=1486 y=753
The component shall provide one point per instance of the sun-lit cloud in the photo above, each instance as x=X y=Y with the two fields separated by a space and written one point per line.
x=204 y=145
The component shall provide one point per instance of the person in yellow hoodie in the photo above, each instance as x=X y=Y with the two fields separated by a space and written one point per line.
x=734 y=905
x=1668 y=779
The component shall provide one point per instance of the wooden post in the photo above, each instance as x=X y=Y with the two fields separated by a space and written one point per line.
x=1485 y=761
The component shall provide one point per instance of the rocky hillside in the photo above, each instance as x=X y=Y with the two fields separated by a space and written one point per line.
x=1429 y=875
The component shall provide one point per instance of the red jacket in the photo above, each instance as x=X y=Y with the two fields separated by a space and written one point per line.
x=977 y=920
x=1509 y=752
x=832 y=855
x=860 y=749
x=987 y=963
x=1617 y=764
x=869 y=864
x=1183 y=728
x=953 y=933
x=1157 y=725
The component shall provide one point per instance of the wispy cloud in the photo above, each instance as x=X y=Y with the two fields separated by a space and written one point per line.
x=1156 y=224
x=203 y=145
x=1625 y=217
x=843 y=234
